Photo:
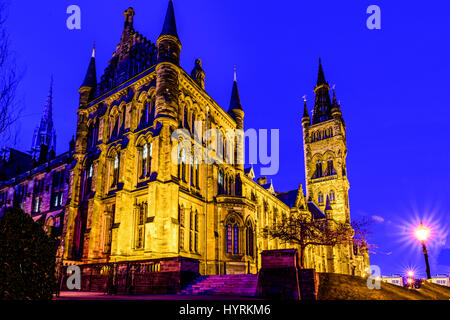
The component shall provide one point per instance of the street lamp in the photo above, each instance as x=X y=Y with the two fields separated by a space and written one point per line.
x=422 y=233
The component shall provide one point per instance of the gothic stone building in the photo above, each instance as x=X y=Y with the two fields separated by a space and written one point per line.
x=130 y=201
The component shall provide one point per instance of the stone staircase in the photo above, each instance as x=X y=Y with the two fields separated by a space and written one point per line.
x=243 y=285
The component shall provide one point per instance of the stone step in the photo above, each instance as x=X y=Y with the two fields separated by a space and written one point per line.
x=236 y=284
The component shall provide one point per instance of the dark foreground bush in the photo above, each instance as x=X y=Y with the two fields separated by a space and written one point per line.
x=27 y=258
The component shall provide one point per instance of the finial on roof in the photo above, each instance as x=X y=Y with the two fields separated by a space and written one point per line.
x=235 y=78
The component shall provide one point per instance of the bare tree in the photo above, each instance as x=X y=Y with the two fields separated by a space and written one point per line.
x=300 y=230
x=9 y=80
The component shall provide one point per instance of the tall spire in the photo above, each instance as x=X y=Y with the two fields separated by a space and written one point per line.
x=322 y=104
x=44 y=134
x=90 y=80
x=321 y=75
x=170 y=26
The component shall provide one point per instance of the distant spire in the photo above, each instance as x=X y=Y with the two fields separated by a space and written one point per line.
x=170 y=26
x=321 y=75
x=48 y=109
x=45 y=134
x=90 y=80
x=235 y=102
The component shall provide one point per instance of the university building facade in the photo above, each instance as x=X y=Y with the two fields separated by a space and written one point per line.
x=125 y=199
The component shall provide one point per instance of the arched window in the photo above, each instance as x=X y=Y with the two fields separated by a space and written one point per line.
x=332 y=196
x=185 y=114
x=115 y=170
x=192 y=122
x=182 y=165
x=232 y=236
x=320 y=198
x=330 y=167
x=220 y=184
x=318 y=173
x=146 y=160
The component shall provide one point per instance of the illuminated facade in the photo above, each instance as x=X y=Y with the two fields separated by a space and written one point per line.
x=125 y=199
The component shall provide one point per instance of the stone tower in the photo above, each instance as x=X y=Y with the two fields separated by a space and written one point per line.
x=168 y=70
x=325 y=149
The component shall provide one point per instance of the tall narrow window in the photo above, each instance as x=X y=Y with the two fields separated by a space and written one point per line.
x=250 y=239
x=140 y=220
x=229 y=238
x=236 y=239
x=109 y=223
x=318 y=173
x=181 y=220
x=182 y=165
x=330 y=167
x=220 y=183
x=115 y=170
x=196 y=233
x=332 y=196
x=320 y=198
x=197 y=174
x=191 y=230
x=145 y=163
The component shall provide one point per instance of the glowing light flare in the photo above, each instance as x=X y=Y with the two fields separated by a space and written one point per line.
x=410 y=273
x=422 y=233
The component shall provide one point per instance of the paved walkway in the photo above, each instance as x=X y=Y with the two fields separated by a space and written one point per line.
x=77 y=295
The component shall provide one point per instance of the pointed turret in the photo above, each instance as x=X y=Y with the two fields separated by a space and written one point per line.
x=322 y=104
x=237 y=113
x=305 y=119
x=336 y=108
x=90 y=80
x=170 y=26
x=235 y=102
x=167 y=70
x=235 y=109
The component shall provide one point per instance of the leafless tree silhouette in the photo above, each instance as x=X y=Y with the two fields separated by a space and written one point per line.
x=300 y=230
x=9 y=80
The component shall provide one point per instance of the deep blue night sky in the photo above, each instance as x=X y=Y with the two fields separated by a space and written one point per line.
x=392 y=84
